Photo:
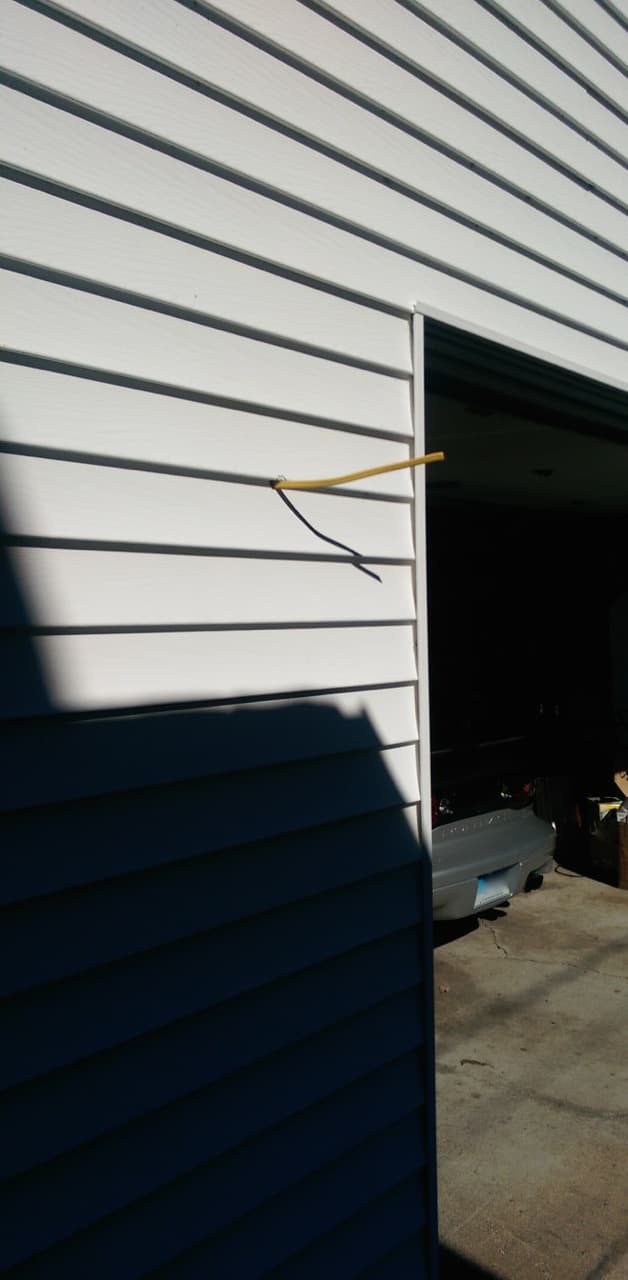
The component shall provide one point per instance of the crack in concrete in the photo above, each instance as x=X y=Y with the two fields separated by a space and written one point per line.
x=474 y=1213
x=557 y=964
x=493 y=932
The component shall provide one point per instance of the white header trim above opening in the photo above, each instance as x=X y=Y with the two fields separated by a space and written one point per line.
x=538 y=353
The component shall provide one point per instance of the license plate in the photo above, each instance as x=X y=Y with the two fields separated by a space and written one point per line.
x=492 y=889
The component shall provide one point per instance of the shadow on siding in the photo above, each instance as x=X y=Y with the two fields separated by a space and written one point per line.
x=218 y=1021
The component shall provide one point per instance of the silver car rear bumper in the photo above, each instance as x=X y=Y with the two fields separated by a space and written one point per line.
x=484 y=861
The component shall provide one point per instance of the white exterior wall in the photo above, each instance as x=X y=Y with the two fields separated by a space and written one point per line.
x=220 y=217
x=216 y=220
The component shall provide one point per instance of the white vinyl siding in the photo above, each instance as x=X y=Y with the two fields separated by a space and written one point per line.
x=216 y=221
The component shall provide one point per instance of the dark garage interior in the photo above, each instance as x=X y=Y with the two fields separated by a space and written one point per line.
x=527 y=574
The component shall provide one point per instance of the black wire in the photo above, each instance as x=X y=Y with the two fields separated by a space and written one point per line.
x=356 y=558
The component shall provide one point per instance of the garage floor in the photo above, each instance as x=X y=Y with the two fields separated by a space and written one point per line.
x=532 y=1080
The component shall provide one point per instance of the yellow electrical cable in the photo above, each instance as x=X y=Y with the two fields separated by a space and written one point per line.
x=357 y=475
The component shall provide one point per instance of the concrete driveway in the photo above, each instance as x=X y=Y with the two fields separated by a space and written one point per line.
x=532 y=1081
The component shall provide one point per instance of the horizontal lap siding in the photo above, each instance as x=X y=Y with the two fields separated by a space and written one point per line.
x=606 y=31
x=84 y=418
x=198 y=48
x=68 y=149
x=47 y=320
x=141 y=828
x=51 y=498
x=86 y=924
x=216 y=219
x=48 y=1115
x=130 y=590
x=547 y=24
x=211 y=906
x=289 y=171
x=92 y=756
x=94 y=671
x=442 y=93
x=188 y=1133
x=157 y=269
x=480 y=83
x=305 y=1197
x=483 y=30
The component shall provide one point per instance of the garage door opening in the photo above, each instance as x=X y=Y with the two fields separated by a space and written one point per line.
x=527 y=581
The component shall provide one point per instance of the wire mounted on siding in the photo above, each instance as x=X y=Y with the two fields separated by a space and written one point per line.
x=281 y=483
